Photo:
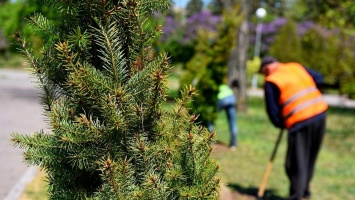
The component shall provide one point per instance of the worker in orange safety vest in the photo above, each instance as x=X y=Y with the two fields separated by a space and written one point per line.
x=294 y=102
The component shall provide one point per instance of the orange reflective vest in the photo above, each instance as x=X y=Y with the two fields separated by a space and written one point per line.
x=299 y=97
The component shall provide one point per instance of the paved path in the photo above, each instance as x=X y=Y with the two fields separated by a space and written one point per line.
x=20 y=112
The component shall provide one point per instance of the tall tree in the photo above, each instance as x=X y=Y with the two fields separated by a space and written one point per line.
x=320 y=8
x=3 y=1
x=287 y=44
x=104 y=89
x=340 y=17
x=193 y=7
x=237 y=62
x=274 y=7
x=13 y=17
x=238 y=57
x=207 y=69
x=215 y=6
x=328 y=13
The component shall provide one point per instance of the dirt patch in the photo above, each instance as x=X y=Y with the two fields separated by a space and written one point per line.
x=227 y=193
x=220 y=148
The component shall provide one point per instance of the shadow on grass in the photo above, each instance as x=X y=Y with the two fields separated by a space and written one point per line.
x=220 y=142
x=341 y=110
x=252 y=191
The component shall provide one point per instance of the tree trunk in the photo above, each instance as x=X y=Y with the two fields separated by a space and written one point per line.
x=238 y=58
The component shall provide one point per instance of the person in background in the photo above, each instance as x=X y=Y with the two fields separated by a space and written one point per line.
x=294 y=102
x=227 y=102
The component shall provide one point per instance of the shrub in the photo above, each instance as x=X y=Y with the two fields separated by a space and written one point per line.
x=287 y=45
x=104 y=89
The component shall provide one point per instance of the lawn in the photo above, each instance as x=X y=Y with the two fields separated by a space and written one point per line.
x=242 y=170
x=15 y=61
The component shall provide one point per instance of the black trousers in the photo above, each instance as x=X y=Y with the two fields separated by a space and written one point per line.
x=302 y=152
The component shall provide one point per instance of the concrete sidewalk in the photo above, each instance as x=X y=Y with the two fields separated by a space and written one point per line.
x=20 y=112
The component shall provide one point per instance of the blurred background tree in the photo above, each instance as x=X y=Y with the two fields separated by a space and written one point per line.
x=193 y=7
x=216 y=6
x=207 y=68
x=13 y=16
x=3 y=2
x=332 y=20
x=291 y=51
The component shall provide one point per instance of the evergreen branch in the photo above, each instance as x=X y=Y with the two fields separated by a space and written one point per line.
x=115 y=118
x=111 y=50
x=90 y=8
x=26 y=49
x=104 y=88
x=154 y=187
x=82 y=155
x=42 y=26
x=159 y=79
x=154 y=5
x=82 y=132
x=87 y=86
x=214 y=188
x=143 y=77
x=186 y=96
x=38 y=157
x=141 y=115
x=79 y=40
x=49 y=96
x=39 y=147
x=82 y=85
x=110 y=170
x=119 y=175
x=213 y=173
x=38 y=139
x=140 y=157
x=144 y=92
x=136 y=21
x=123 y=18
x=135 y=33
x=79 y=71
x=52 y=3
x=192 y=175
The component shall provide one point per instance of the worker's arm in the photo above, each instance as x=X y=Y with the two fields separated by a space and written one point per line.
x=272 y=95
x=317 y=77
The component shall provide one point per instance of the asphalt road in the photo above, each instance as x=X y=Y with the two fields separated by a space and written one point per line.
x=20 y=112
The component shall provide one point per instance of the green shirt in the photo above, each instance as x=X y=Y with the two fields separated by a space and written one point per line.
x=224 y=91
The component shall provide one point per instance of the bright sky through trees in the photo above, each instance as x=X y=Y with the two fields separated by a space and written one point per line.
x=183 y=3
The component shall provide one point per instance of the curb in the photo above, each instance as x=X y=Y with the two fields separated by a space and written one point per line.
x=20 y=186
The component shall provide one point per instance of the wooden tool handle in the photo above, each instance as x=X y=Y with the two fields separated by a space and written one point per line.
x=264 y=181
x=269 y=166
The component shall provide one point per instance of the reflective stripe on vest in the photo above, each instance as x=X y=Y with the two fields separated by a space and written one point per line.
x=300 y=99
x=299 y=95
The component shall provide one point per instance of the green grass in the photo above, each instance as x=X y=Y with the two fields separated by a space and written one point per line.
x=174 y=81
x=36 y=190
x=243 y=169
x=15 y=61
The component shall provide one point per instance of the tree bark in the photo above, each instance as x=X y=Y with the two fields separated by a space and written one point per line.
x=238 y=58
